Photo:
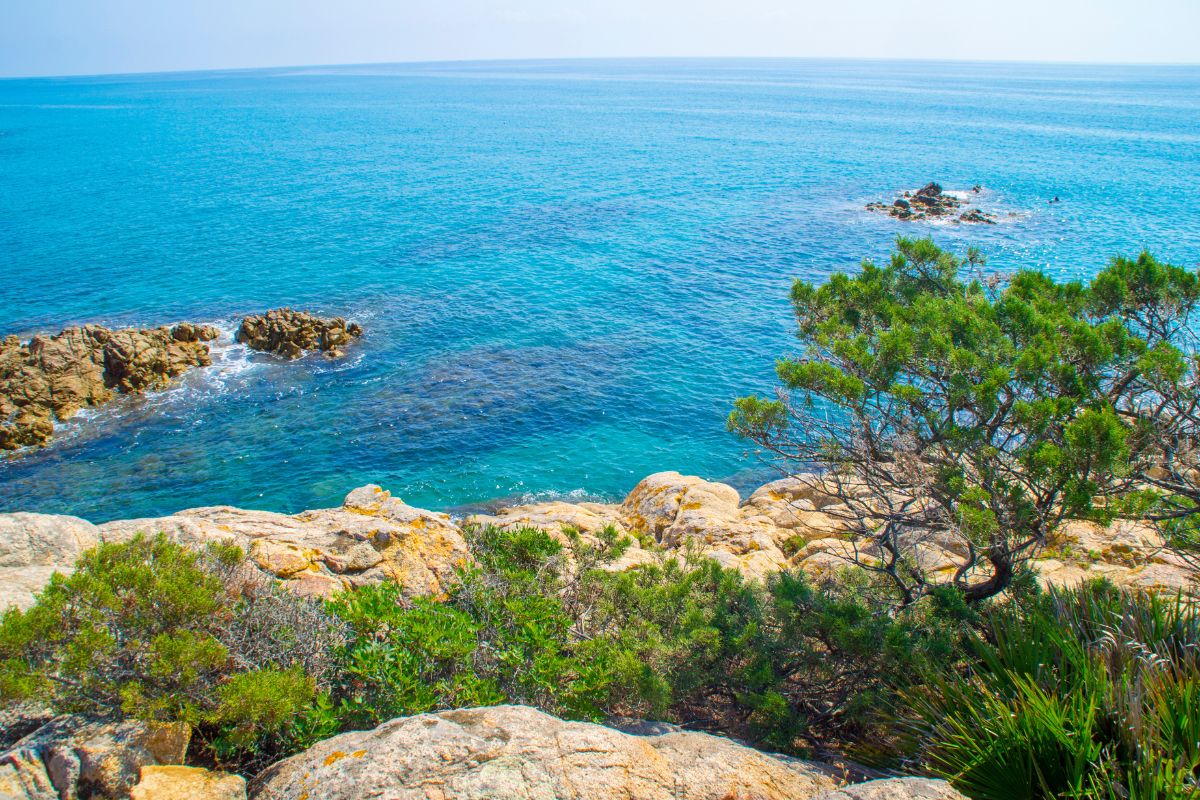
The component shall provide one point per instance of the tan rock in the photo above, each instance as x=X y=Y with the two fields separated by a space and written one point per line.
x=51 y=378
x=73 y=754
x=519 y=752
x=552 y=517
x=290 y=334
x=896 y=789
x=35 y=546
x=187 y=783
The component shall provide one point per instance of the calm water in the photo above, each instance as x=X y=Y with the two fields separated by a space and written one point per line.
x=566 y=270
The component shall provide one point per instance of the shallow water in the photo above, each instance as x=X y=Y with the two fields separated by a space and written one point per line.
x=566 y=270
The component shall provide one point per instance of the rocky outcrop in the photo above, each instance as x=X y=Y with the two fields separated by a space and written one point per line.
x=187 y=783
x=930 y=202
x=50 y=378
x=72 y=757
x=518 y=752
x=793 y=522
x=372 y=537
x=291 y=334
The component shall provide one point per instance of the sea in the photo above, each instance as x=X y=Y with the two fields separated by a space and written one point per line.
x=566 y=270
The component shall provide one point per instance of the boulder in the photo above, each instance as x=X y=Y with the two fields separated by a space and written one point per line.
x=371 y=538
x=896 y=789
x=519 y=752
x=50 y=378
x=291 y=334
x=187 y=783
x=35 y=546
x=684 y=511
x=72 y=757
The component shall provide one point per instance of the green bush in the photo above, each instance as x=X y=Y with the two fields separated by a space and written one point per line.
x=1091 y=693
x=793 y=665
x=505 y=633
x=152 y=630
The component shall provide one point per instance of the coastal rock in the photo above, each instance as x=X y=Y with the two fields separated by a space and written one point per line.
x=684 y=511
x=187 y=783
x=931 y=202
x=51 y=378
x=373 y=537
x=290 y=333
x=73 y=757
x=896 y=789
x=35 y=546
x=519 y=752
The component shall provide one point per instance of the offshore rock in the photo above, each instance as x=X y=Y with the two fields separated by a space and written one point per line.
x=931 y=202
x=50 y=378
x=519 y=752
x=291 y=334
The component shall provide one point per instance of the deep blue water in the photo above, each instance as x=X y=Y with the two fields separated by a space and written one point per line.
x=566 y=270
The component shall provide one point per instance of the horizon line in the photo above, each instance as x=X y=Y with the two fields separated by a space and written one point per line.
x=528 y=59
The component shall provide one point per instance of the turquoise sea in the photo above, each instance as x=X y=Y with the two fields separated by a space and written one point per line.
x=566 y=270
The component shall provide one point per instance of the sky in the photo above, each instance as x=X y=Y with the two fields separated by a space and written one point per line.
x=86 y=37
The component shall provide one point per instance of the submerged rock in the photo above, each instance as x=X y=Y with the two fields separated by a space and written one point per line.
x=291 y=334
x=520 y=752
x=51 y=378
x=931 y=202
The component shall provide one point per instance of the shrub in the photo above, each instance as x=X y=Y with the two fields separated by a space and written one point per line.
x=505 y=633
x=793 y=665
x=152 y=630
x=1090 y=693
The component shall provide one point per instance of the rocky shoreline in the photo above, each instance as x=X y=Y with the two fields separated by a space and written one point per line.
x=795 y=522
x=50 y=379
x=506 y=751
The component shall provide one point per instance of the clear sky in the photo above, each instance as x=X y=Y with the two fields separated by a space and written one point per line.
x=57 y=37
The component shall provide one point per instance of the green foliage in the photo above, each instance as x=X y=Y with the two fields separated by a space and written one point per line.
x=152 y=630
x=1090 y=693
x=505 y=633
x=790 y=665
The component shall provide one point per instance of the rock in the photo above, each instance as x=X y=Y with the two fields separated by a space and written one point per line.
x=682 y=511
x=371 y=538
x=35 y=546
x=187 y=783
x=50 y=378
x=519 y=752
x=18 y=720
x=290 y=334
x=975 y=215
x=931 y=202
x=84 y=758
x=896 y=789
